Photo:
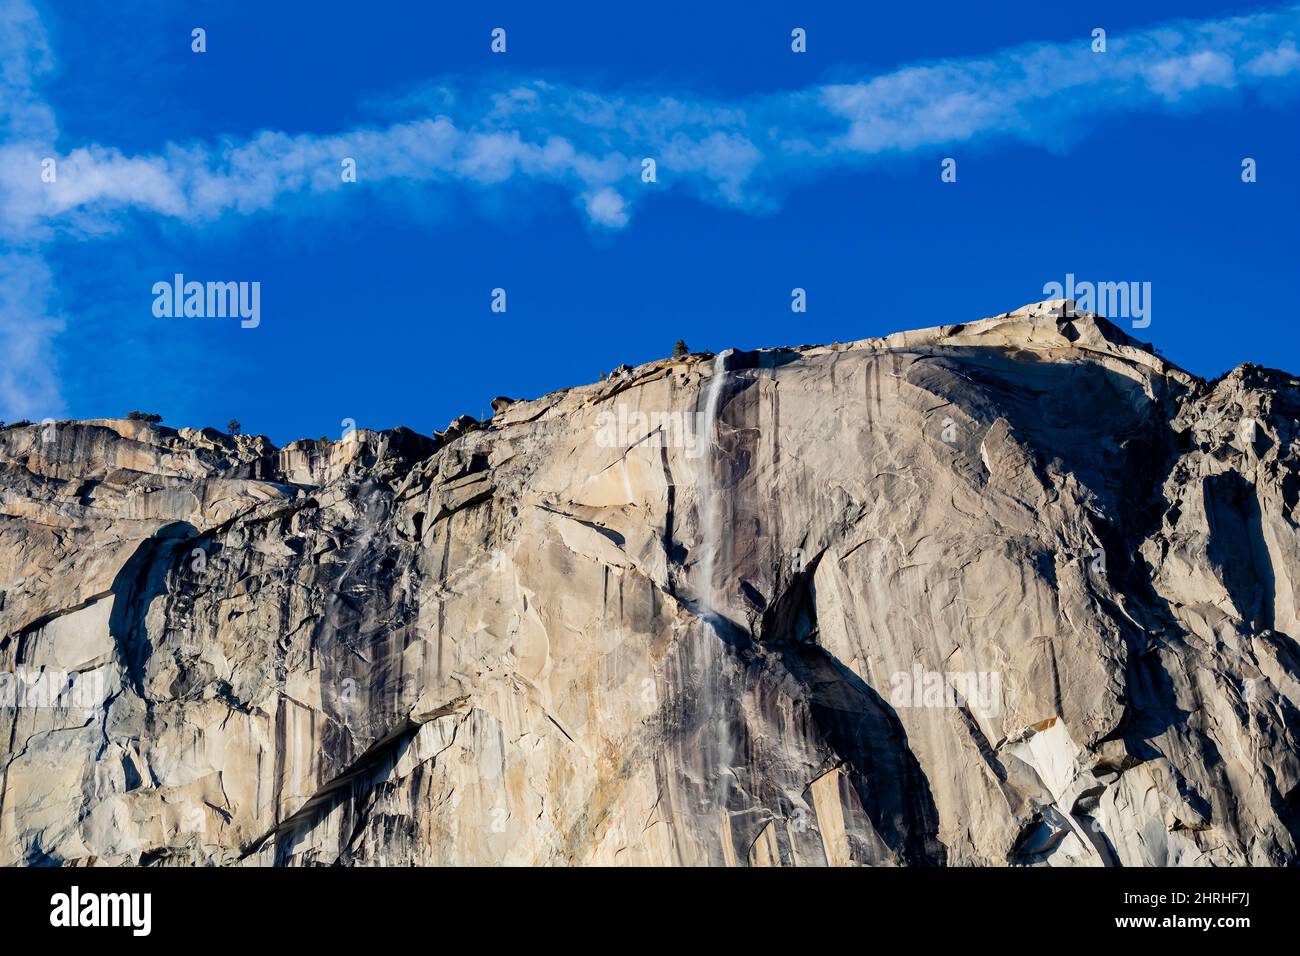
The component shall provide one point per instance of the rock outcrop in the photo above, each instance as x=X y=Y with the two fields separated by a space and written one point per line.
x=1017 y=591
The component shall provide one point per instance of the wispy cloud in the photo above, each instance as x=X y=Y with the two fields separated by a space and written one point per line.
x=744 y=154
x=28 y=383
x=24 y=57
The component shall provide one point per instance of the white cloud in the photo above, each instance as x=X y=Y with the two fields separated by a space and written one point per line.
x=1180 y=75
x=24 y=56
x=28 y=384
x=606 y=207
x=1284 y=59
x=742 y=154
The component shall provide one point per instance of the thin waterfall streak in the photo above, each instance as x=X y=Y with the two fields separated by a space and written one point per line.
x=711 y=520
x=372 y=512
x=711 y=541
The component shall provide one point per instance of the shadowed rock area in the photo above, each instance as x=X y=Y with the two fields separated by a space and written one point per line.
x=1012 y=592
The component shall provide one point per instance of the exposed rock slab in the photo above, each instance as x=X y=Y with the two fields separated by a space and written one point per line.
x=1016 y=591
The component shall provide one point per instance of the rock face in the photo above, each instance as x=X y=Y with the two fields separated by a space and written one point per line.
x=1011 y=592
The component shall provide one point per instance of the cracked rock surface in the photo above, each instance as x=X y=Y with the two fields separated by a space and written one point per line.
x=1016 y=591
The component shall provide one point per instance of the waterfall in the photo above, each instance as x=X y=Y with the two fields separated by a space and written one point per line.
x=717 y=664
x=710 y=519
x=340 y=613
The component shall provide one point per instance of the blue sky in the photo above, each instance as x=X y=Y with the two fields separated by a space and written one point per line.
x=521 y=171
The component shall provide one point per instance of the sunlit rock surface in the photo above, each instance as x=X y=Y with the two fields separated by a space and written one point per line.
x=1011 y=592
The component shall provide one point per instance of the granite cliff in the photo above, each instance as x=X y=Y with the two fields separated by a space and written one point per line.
x=1017 y=591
